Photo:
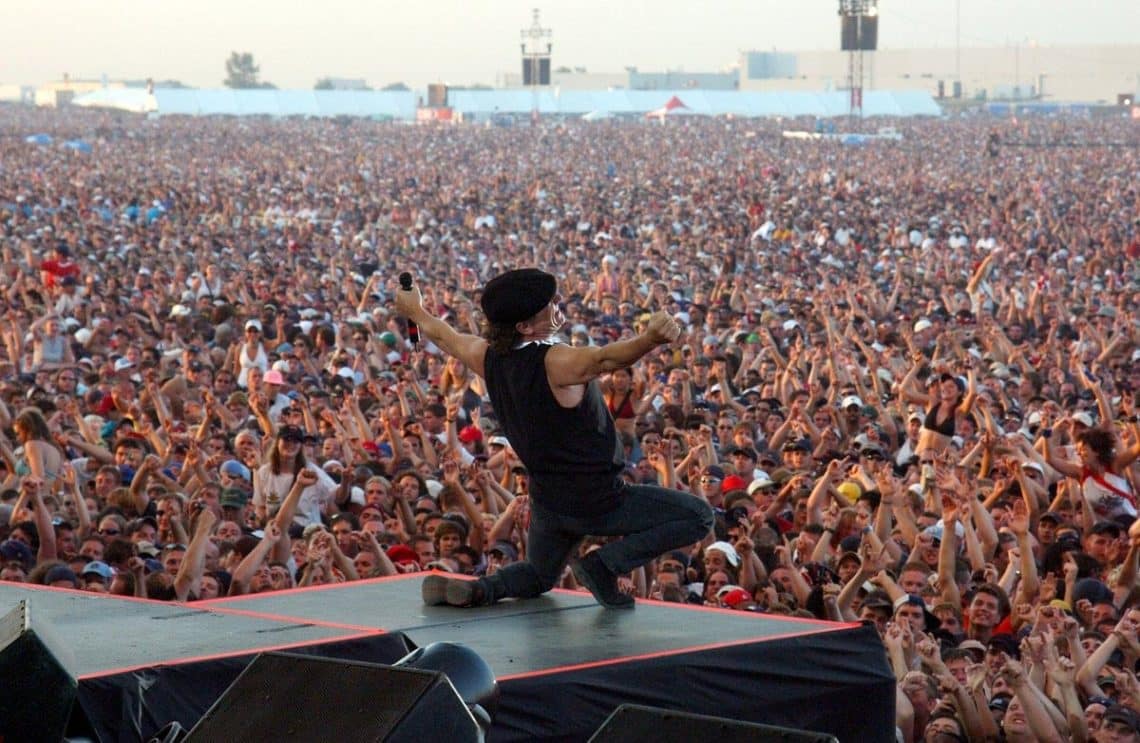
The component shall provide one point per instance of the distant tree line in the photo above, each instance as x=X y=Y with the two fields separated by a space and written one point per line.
x=242 y=72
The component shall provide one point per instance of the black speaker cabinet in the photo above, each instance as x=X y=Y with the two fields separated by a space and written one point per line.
x=38 y=691
x=285 y=697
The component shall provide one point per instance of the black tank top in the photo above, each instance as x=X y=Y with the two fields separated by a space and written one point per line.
x=946 y=427
x=573 y=455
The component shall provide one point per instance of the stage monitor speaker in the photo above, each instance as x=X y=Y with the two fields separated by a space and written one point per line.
x=285 y=697
x=633 y=723
x=848 y=33
x=868 y=32
x=39 y=692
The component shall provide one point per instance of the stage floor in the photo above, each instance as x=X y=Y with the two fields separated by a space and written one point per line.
x=559 y=629
x=107 y=634
x=563 y=662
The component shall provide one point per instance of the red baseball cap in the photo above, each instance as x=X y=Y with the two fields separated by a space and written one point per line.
x=734 y=597
x=401 y=554
x=733 y=482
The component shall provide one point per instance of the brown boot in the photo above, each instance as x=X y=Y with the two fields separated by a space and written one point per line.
x=439 y=590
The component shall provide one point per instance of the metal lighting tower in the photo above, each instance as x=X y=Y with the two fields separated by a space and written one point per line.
x=536 y=60
x=859 y=32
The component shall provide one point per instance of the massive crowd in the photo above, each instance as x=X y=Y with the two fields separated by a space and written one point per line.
x=906 y=378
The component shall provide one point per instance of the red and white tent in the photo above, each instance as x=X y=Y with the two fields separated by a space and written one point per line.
x=673 y=107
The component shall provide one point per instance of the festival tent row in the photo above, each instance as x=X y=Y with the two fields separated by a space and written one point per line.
x=228 y=102
x=695 y=102
x=477 y=104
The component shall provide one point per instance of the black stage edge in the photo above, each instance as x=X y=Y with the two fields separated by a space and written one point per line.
x=835 y=683
x=563 y=663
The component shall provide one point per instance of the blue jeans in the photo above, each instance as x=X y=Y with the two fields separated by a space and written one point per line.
x=652 y=520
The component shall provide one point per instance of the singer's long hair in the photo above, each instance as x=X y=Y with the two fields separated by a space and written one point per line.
x=501 y=337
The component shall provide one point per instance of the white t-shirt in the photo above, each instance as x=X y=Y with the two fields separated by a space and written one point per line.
x=269 y=490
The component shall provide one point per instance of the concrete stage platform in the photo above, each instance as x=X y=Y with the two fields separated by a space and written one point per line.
x=563 y=663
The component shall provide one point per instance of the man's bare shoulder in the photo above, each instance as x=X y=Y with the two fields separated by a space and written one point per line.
x=571 y=365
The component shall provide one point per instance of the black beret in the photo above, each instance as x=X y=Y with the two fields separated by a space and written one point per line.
x=517 y=295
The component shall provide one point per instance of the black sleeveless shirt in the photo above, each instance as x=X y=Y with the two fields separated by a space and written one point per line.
x=573 y=455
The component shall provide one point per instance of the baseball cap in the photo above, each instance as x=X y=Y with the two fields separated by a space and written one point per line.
x=678 y=556
x=506 y=549
x=1093 y=590
x=233 y=498
x=291 y=433
x=1122 y=715
x=471 y=433
x=733 y=482
x=760 y=484
x=99 y=568
x=11 y=549
x=727 y=550
x=733 y=596
x=849 y=401
x=402 y=554
x=1000 y=702
x=60 y=572
x=713 y=470
x=234 y=468
x=973 y=646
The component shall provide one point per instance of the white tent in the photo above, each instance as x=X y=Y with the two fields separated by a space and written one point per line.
x=673 y=107
x=136 y=100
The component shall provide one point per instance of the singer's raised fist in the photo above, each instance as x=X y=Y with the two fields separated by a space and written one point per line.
x=662 y=328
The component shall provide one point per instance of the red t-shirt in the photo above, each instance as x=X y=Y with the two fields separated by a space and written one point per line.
x=54 y=271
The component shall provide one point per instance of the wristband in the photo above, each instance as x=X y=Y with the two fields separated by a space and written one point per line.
x=1046 y=433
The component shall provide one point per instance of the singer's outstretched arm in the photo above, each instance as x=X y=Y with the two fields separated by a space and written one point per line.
x=470 y=349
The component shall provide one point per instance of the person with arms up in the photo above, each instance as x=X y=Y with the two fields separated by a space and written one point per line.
x=547 y=399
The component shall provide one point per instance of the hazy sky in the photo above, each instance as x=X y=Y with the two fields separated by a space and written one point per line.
x=461 y=42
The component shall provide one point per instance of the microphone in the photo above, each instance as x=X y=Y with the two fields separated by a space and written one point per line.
x=413 y=329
